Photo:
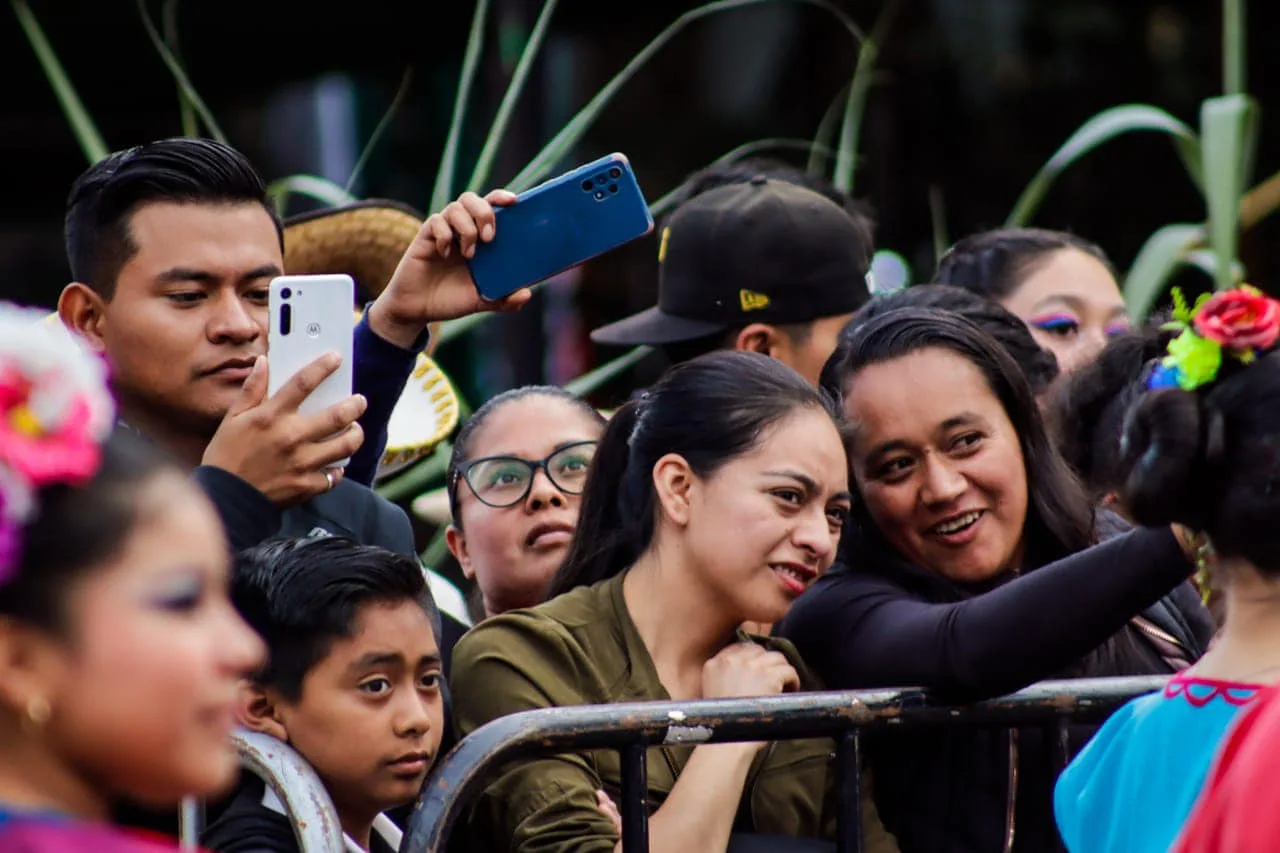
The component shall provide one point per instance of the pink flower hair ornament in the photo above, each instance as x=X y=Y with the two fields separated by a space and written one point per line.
x=55 y=413
x=1239 y=324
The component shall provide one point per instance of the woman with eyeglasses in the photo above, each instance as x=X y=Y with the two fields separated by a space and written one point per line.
x=517 y=470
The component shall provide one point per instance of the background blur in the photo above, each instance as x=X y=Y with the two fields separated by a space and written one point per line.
x=971 y=97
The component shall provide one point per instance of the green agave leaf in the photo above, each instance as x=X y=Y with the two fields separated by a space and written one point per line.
x=484 y=164
x=179 y=74
x=1234 y=47
x=1103 y=127
x=454 y=329
x=442 y=193
x=1157 y=259
x=436 y=548
x=1260 y=202
x=559 y=146
x=429 y=472
x=311 y=186
x=590 y=381
x=420 y=477
x=381 y=127
x=169 y=20
x=824 y=138
x=938 y=220
x=1206 y=261
x=82 y=125
x=856 y=106
x=1228 y=129
x=748 y=149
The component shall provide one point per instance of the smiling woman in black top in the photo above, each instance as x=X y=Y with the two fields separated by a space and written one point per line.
x=971 y=570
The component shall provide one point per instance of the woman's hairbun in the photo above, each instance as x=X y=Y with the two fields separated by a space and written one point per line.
x=1170 y=442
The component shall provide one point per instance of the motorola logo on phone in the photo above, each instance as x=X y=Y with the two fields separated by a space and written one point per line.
x=313 y=330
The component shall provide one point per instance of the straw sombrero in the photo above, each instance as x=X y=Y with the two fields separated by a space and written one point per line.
x=366 y=240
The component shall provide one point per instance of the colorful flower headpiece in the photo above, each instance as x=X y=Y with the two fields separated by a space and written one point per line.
x=55 y=412
x=1237 y=324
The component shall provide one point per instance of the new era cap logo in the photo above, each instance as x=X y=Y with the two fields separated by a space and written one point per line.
x=752 y=301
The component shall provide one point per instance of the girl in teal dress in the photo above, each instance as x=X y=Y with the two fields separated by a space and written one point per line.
x=1201 y=448
x=120 y=653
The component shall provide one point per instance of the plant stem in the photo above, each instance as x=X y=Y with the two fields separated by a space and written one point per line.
x=1234 y=48
x=383 y=124
x=86 y=132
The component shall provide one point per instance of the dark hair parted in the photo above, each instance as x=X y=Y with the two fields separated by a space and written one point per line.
x=182 y=170
x=301 y=595
x=708 y=411
x=78 y=529
x=464 y=441
x=1210 y=460
x=995 y=263
x=1060 y=515
x=1086 y=410
x=1038 y=364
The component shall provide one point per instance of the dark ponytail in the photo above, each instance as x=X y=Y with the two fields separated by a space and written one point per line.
x=607 y=537
x=1171 y=453
x=1210 y=460
x=709 y=411
x=1087 y=408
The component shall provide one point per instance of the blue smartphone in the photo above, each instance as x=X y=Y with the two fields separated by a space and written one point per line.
x=560 y=224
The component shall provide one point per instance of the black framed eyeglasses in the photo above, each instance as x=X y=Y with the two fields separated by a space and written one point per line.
x=502 y=481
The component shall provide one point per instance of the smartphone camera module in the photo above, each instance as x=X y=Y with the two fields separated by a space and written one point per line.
x=587 y=185
x=615 y=173
x=285 y=293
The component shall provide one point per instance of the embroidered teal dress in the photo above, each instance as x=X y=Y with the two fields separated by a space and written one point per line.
x=1132 y=788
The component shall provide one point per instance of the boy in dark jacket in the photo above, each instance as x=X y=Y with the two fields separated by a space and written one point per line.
x=353 y=684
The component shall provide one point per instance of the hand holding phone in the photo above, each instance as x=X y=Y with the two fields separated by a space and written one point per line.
x=294 y=426
x=288 y=456
x=432 y=282
x=560 y=224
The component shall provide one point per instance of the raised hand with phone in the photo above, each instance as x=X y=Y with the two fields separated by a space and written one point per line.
x=455 y=266
x=483 y=254
x=432 y=282
x=290 y=445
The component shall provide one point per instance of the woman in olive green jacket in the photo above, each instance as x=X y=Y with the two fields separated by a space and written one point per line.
x=714 y=500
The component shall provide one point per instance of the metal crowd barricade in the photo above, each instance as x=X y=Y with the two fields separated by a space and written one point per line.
x=307 y=805
x=632 y=727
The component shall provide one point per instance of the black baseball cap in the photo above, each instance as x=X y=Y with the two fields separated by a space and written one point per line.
x=758 y=252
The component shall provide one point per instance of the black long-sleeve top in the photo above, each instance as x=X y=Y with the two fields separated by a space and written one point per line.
x=862 y=627
x=886 y=624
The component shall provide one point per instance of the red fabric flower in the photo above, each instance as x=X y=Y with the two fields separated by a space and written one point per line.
x=1240 y=320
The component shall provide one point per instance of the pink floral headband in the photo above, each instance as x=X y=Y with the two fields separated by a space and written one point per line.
x=55 y=413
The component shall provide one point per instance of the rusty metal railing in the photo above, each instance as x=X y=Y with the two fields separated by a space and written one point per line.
x=632 y=727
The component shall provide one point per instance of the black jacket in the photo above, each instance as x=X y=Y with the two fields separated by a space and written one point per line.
x=245 y=825
x=887 y=624
x=351 y=510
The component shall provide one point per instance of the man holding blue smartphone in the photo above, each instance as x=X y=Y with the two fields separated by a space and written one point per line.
x=762 y=265
x=172 y=246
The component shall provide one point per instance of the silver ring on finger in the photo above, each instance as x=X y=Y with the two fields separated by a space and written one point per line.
x=330 y=478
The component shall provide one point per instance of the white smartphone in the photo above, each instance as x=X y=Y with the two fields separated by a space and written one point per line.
x=310 y=316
